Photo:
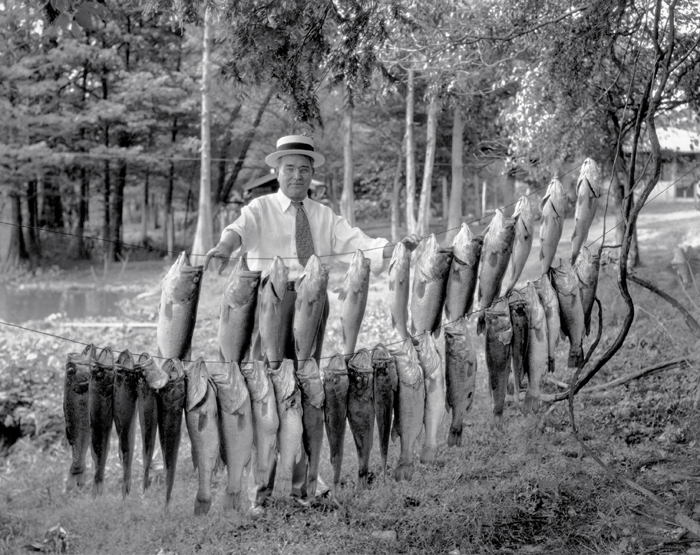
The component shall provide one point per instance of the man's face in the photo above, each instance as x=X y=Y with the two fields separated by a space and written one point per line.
x=294 y=173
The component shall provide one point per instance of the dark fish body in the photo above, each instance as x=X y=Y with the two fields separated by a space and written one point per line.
x=151 y=378
x=385 y=385
x=587 y=269
x=587 y=193
x=335 y=387
x=498 y=246
x=353 y=295
x=460 y=375
x=464 y=271
x=553 y=206
x=550 y=303
x=312 y=399
x=499 y=337
x=235 y=430
x=524 y=235
x=77 y=413
x=126 y=381
x=171 y=400
x=361 y=410
x=311 y=289
x=429 y=287
x=409 y=407
x=237 y=318
x=273 y=289
x=101 y=399
x=537 y=349
x=434 y=380
x=177 y=313
x=519 y=321
x=399 y=288
x=565 y=283
x=201 y=417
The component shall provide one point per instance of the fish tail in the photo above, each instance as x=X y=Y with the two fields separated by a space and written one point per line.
x=454 y=438
x=126 y=487
x=531 y=403
x=404 y=471
x=97 y=489
x=575 y=358
x=232 y=501
x=428 y=454
x=75 y=480
x=201 y=505
x=551 y=366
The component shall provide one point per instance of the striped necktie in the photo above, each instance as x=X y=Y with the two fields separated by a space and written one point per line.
x=305 y=242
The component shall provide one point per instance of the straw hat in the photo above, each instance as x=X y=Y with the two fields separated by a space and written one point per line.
x=295 y=144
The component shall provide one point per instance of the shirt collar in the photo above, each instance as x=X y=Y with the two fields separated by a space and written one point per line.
x=285 y=201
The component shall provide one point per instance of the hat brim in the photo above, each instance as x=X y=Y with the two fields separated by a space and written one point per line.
x=319 y=159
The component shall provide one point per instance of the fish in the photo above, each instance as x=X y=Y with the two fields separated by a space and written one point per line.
x=311 y=287
x=524 y=235
x=553 y=207
x=151 y=378
x=519 y=361
x=464 y=270
x=385 y=385
x=265 y=419
x=171 y=399
x=498 y=245
x=587 y=193
x=566 y=284
x=353 y=295
x=235 y=430
x=429 y=287
x=76 y=412
x=361 y=411
x=537 y=348
x=460 y=375
x=201 y=417
x=101 y=403
x=273 y=289
x=409 y=406
x=126 y=381
x=312 y=399
x=399 y=288
x=550 y=303
x=335 y=388
x=290 y=429
x=499 y=337
x=587 y=269
x=177 y=312
x=237 y=317
x=434 y=379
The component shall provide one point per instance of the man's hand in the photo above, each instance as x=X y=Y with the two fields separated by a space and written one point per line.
x=222 y=253
x=411 y=241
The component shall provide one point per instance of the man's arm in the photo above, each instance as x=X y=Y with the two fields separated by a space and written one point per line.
x=410 y=242
x=229 y=242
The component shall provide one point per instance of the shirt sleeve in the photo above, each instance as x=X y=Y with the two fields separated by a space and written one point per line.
x=247 y=226
x=347 y=239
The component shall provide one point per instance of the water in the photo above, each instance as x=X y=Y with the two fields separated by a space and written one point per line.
x=19 y=306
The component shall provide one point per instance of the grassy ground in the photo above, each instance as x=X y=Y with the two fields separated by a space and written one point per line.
x=528 y=489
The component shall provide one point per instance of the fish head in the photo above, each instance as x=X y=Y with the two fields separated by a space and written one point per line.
x=102 y=363
x=310 y=382
x=434 y=262
x=589 y=176
x=155 y=376
x=462 y=242
x=277 y=275
x=308 y=370
x=587 y=266
x=335 y=369
x=197 y=383
x=525 y=213
x=174 y=368
x=182 y=281
x=255 y=375
x=400 y=257
x=534 y=305
x=361 y=361
x=283 y=379
x=125 y=360
x=81 y=362
x=564 y=278
x=241 y=287
x=408 y=366
x=380 y=352
x=313 y=277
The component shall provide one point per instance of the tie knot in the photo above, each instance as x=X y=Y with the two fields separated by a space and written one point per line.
x=298 y=204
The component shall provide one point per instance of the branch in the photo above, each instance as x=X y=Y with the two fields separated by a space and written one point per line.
x=689 y=320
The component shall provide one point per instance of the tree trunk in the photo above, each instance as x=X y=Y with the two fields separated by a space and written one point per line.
x=445 y=199
x=224 y=152
x=115 y=245
x=16 y=249
x=52 y=216
x=426 y=188
x=106 y=208
x=33 y=240
x=410 y=156
x=203 y=235
x=454 y=213
x=347 y=199
x=80 y=250
x=483 y=199
x=396 y=200
x=144 y=212
x=331 y=192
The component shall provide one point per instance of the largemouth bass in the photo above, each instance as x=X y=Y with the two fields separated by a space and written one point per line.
x=201 y=417
x=385 y=385
x=265 y=419
x=100 y=403
x=410 y=406
x=537 y=351
x=399 y=288
x=550 y=303
x=273 y=289
x=77 y=413
x=498 y=245
x=237 y=319
x=565 y=282
x=311 y=289
x=290 y=431
x=312 y=399
x=524 y=235
x=151 y=379
x=235 y=430
x=587 y=193
x=499 y=337
x=460 y=375
x=171 y=400
x=464 y=270
x=519 y=361
x=361 y=411
x=553 y=206
x=587 y=269
x=126 y=381
x=353 y=295
x=177 y=312
x=335 y=387
x=429 y=287
x=434 y=380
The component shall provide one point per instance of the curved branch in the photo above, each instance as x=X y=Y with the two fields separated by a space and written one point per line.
x=687 y=316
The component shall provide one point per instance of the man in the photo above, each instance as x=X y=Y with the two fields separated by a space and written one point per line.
x=291 y=225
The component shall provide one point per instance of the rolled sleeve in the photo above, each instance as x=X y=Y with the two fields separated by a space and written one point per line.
x=247 y=227
x=347 y=239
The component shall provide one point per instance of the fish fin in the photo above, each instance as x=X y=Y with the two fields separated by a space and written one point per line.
x=342 y=293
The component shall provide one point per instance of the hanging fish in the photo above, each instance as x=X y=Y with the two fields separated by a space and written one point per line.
x=587 y=193
x=566 y=284
x=126 y=381
x=171 y=399
x=101 y=403
x=499 y=337
x=553 y=206
x=519 y=320
x=335 y=387
x=151 y=379
x=429 y=287
x=273 y=289
x=537 y=348
x=464 y=270
x=353 y=295
x=460 y=375
x=311 y=289
x=312 y=398
x=587 y=268
x=550 y=303
x=524 y=234
x=361 y=411
x=434 y=380
x=385 y=384
x=399 y=288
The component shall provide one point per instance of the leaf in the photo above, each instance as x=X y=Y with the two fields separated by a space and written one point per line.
x=60 y=5
x=84 y=19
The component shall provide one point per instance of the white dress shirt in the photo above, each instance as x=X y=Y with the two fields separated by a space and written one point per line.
x=267 y=227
